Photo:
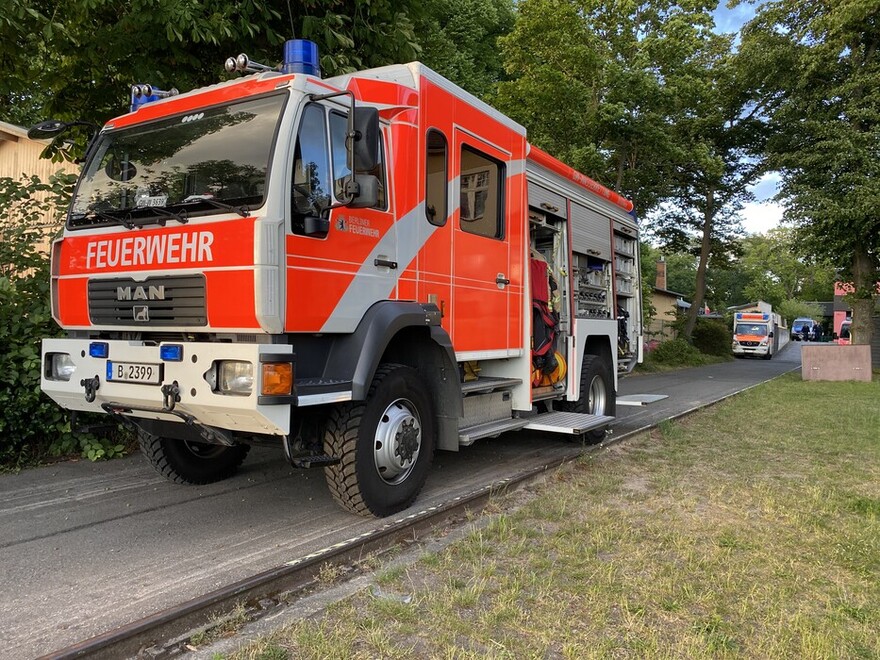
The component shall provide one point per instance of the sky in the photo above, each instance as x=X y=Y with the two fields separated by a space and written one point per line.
x=762 y=214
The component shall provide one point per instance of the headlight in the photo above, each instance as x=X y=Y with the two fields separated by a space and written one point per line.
x=765 y=341
x=59 y=366
x=235 y=377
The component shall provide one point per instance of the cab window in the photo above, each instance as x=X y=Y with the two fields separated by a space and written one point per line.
x=338 y=131
x=311 y=168
x=436 y=166
x=481 y=198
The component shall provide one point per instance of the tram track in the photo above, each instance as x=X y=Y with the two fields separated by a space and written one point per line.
x=150 y=635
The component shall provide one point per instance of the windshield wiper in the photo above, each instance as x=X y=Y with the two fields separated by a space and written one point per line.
x=93 y=216
x=162 y=213
x=242 y=210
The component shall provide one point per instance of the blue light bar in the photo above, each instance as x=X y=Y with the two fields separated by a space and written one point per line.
x=301 y=56
x=171 y=352
x=142 y=94
x=99 y=349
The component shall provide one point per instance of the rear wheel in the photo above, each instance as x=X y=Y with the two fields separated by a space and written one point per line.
x=189 y=462
x=385 y=444
x=597 y=394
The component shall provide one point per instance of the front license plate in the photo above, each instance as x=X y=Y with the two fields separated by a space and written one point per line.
x=133 y=372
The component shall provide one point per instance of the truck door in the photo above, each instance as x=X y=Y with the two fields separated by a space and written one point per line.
x=334 y=276
x=481 y=318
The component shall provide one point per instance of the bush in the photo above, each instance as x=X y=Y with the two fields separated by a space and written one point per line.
x=677 y=352
x=31 y=425
x=712 y=337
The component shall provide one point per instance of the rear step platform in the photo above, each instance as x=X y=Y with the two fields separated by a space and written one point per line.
x=567 y=422
x=640 y=399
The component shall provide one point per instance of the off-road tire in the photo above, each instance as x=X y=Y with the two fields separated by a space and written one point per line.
x=398 y=404
x=187 y=462
x=595 y=378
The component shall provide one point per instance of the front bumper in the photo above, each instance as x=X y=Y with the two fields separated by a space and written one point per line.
x=249 y=413
x=750 y=350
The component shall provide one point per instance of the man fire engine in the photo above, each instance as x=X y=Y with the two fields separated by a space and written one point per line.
x=359 y=270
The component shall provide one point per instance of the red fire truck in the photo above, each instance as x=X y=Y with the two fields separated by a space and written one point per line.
x=359 y=270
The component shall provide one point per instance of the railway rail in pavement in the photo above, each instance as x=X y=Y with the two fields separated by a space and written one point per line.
x=108 y=554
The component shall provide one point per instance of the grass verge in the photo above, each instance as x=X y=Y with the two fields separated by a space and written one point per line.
x=751 y=529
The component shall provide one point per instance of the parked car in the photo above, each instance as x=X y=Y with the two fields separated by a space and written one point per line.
x=801 y=329
x=843 y=337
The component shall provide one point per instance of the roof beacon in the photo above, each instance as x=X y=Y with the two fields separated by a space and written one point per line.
x=301 y=56
x=141 y=94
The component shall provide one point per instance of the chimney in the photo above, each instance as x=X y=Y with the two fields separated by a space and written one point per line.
x=661 y=274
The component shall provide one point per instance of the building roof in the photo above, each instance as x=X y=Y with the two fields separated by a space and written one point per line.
x=668 y=292
x=11 y=132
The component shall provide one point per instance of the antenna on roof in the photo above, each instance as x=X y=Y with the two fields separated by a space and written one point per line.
x=290 y=16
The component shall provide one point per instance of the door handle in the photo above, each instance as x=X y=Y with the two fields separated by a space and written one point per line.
x=385 y=262
x=501 y=280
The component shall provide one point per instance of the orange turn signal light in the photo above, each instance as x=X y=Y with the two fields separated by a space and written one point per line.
x=277 y=378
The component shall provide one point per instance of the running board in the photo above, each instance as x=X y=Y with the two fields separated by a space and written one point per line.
x=467 y=436
x=640 y=399
x=567 y=422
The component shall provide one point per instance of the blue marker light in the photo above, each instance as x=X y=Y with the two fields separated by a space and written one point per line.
x=301 y=56
x=171 y=352
x=99 y=349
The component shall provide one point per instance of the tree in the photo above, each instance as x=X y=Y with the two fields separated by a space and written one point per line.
x=459 y=40
x=818 y=62
x=776 y=271
x=77 y=61
x=719 y=128
x=598 y=85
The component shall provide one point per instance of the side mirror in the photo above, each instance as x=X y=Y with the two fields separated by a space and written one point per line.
x=771 y=334
x=367 y=192
x=366 y=144
x=315 y=226
x=46 y=129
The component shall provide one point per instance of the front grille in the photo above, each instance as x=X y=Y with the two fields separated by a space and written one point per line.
x=156 y=301
x=749 y=343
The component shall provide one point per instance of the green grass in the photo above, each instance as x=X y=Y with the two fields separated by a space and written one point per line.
x=750 y=530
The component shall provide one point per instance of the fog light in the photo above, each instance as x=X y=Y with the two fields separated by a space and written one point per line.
x=277 y=378
x=59 y=366
x=235 y=377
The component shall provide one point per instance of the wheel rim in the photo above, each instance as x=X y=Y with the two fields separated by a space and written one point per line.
x=397 y=442
x=598 y=396
x=203 y=449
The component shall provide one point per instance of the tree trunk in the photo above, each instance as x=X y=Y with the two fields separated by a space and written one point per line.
x=863 y=298
x=705 y=247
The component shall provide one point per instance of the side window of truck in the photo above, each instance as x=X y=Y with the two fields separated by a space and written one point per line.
x=338 y=131
x=310 y=190
x=482 y=180
x=436 y=176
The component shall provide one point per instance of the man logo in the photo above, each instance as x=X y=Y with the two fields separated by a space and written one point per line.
x=150 y=292
x=141 y=313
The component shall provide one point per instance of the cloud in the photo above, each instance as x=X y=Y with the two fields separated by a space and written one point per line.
x=760 y=217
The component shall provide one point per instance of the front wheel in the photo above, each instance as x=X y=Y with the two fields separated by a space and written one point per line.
x=385 y=444
x=597 y=394
x=189 y=462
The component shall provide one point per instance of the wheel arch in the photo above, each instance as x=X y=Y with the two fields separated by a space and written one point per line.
x=600 y=346
x=407 y=333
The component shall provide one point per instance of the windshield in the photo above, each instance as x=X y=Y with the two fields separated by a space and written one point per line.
x=844 y=331
x=199 y=161
x=751 y=329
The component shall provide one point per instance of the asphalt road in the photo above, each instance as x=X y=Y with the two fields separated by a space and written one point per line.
x=86 y=547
